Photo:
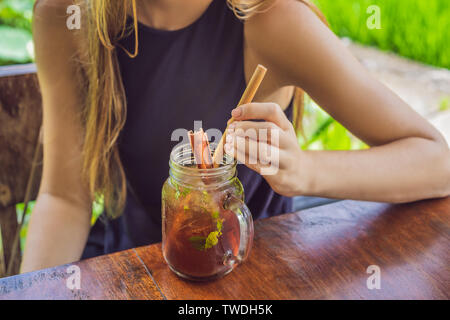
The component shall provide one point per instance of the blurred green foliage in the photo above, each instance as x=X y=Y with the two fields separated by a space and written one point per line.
x=417 y=29
x=444 y=104
x=97 y=210
x=23 y=232
x=324 y=133
x=16 y=45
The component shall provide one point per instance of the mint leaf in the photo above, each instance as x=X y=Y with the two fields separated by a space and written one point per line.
x=202 y=243
x=198 y=242
x=219 y=226
x=181 y=192
x=185 y=191
x=212 y=240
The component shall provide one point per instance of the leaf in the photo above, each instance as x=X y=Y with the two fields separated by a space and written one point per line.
x=14 y=45
x=212 y=239
x=219 y=226
x=185 y=191
x=202 y=243
x=97 y=208
x=206 y=197
x=198 y=242
x=16 y=13
x=181 y=192
x=336 y=138
x=319 y=131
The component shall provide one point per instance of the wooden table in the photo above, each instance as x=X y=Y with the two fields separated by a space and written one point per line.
x=321 y=253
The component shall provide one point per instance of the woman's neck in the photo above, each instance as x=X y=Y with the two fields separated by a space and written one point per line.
x=170 y=14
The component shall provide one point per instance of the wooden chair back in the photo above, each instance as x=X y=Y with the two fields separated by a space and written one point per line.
x=20 y=154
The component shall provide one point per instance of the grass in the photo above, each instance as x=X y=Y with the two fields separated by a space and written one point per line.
x=416 y=29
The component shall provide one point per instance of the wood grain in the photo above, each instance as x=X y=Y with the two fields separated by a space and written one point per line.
x=8 y=228
x=320 y=253
x=323 y=253
x=20 y=119
x=117 y=276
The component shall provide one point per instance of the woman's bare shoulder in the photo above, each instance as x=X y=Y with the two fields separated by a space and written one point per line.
x=288 y=34
x=58 y=49
x=55 y=38
x=52 y=10
x=285 y=20
x=55 y=18
x=56 y=4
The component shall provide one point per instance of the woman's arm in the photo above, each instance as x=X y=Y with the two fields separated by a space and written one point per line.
x=60 y=221
x=409 y=160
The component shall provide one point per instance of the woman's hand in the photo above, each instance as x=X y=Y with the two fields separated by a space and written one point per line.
x=269 y=148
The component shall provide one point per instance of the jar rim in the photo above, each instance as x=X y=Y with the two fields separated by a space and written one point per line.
x=182 y=159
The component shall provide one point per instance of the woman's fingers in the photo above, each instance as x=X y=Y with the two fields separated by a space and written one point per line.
x=259 y=156
x=265 y=147
x=270 y=112
x=259 y=131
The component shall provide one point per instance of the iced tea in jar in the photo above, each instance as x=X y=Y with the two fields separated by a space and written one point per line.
x=207 y=229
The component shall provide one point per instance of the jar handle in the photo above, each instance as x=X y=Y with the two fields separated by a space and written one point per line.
x=245 y=219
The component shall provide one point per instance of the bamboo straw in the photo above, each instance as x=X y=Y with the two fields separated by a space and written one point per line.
x=247 y=97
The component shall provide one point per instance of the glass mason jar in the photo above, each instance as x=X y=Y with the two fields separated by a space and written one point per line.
x=207 y=229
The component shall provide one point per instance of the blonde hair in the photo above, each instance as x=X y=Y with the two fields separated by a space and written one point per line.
x=105 y=103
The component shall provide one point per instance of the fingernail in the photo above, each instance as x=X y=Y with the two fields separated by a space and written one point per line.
x=229 y=138
x=236 y=113
x=228 y=147
x=232 y=126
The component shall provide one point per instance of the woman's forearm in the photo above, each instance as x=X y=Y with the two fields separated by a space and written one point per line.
x=56 y=235
x=406 y=170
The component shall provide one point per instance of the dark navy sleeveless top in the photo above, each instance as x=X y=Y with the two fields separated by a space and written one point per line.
x=192 y=74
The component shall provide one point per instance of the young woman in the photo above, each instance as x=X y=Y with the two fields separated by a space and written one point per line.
x=114 y=91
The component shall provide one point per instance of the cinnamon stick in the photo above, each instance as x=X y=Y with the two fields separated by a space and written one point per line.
x=200 y=149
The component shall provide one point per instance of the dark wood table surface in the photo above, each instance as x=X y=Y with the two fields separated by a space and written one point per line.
x=320 y=253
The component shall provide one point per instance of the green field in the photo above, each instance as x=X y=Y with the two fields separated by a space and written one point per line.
x=417 y=29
